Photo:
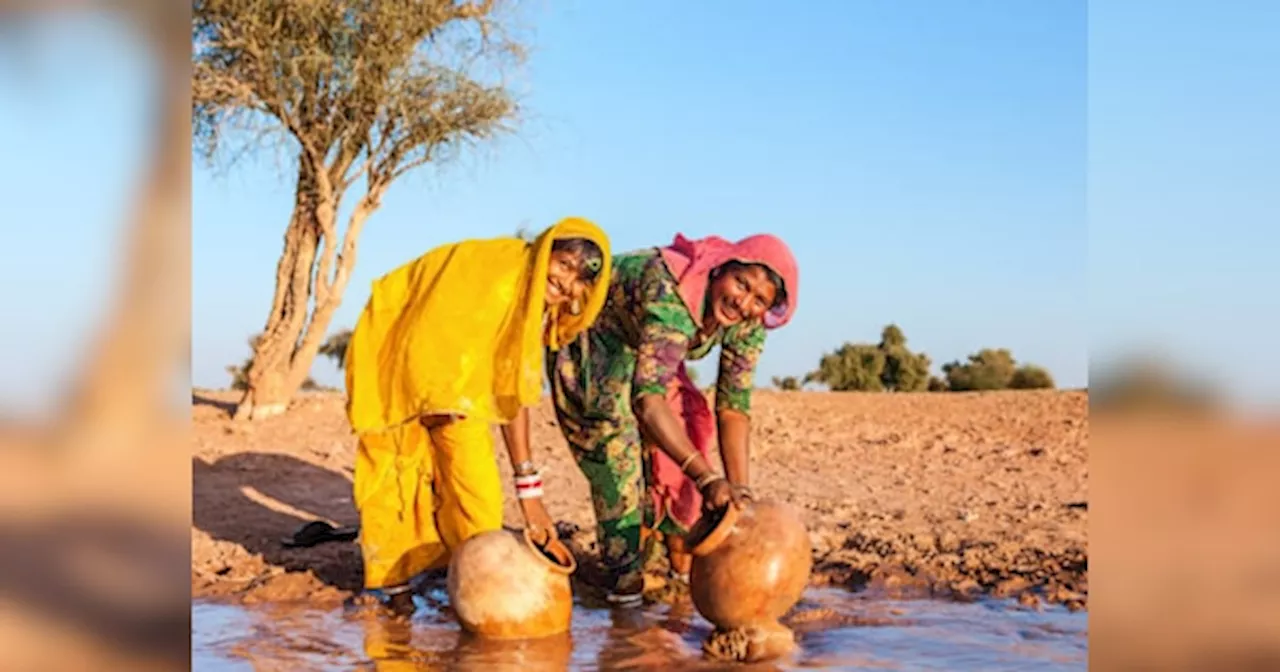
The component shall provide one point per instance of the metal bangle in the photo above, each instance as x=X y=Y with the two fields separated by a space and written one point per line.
x=688 y=460
x=709 y=478
x=526 y=468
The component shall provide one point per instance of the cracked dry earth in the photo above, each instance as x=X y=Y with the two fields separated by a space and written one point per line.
x=914 y=495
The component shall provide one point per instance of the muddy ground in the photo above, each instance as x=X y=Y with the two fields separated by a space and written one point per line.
x=941 y=495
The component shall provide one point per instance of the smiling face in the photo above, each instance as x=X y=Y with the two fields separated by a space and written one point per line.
x=572 y=269
x=741 y=292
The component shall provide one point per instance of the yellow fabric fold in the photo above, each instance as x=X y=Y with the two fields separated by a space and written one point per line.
x=460 y=330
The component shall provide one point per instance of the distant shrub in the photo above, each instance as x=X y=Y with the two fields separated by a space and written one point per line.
x=890 y=366
x=787 y=383
x=852 y=367
x=1031 y=377
x=335 y=347
x=988 y=369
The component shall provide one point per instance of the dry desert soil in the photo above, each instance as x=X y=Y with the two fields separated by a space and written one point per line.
x=950 y=495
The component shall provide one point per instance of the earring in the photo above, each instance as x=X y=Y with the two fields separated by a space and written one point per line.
x=575 y=308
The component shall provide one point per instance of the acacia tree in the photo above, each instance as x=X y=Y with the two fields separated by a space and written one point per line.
x=361 y=92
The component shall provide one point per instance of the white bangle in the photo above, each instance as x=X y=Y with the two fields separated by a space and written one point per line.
x=529 y=493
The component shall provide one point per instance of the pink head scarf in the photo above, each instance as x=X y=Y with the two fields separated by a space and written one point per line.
x=692 y=262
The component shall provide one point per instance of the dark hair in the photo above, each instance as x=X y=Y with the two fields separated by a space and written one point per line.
x=587 y=250
x=779 y=299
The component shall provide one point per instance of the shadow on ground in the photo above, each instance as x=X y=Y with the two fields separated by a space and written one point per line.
x=227 y=407
x=257 y=499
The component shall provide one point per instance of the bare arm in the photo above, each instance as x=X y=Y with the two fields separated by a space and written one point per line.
x=516 y=435
x=735 y=427
x=659 y=422
x=739 y=356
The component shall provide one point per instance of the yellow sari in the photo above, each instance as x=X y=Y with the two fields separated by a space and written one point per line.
x=448 y=345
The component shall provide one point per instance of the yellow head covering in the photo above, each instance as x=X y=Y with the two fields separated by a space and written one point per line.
x=460 y=330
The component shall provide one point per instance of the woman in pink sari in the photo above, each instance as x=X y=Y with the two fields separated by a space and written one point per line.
x=638 y=427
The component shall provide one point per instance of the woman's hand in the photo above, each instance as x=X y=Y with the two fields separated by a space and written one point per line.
x=537 y=519
x=720 y=493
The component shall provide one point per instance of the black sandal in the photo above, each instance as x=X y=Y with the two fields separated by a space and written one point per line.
x=319 y=532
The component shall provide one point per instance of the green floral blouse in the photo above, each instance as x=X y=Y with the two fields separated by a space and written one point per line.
x=644 y=310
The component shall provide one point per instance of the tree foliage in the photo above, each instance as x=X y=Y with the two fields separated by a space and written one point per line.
x=887 y=366
x=904 y=371
x=1031 y=377
x=852 y=367
x=367 y=90
x=987 y=369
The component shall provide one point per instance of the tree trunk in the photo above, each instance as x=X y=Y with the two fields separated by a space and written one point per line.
x=271 y=378
x=329 y=296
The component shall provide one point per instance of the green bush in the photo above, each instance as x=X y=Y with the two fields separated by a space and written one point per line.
x=852 y=367
x=988 y=369
x=891 y=366
x=1031 y=377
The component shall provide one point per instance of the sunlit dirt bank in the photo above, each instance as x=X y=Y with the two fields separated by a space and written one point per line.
x=929 y=495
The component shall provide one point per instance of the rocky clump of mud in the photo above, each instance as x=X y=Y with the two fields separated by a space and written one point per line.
x=904 y=565
x=945 y=565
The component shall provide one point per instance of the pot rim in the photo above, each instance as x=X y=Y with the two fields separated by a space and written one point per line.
x=554 y=547
x=716 y=537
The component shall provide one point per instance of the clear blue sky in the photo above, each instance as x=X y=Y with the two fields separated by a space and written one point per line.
x=927 y=161
x=927 y=166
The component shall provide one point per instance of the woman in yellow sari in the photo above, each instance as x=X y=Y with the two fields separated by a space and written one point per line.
x=448 y=345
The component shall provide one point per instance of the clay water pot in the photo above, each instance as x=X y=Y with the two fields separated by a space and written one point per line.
x=505 y=584
x=750 y=565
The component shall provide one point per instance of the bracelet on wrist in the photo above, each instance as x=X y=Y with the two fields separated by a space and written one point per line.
x=529 y=486
x=684 y=466
x=526 y=468
x=707 y=479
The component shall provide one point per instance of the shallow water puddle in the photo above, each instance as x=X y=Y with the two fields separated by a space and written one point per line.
x=837 y=630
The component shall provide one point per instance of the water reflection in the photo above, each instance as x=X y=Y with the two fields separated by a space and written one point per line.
x=835 y=630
